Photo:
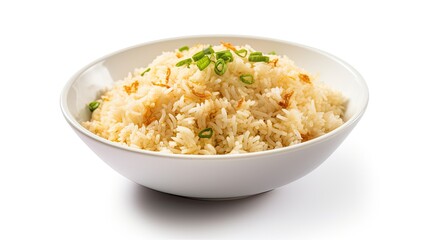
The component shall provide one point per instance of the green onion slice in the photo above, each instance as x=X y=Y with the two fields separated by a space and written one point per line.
x=145 y=71
x=93 y=105
x=247 y=78
x=272 y=53
x=255 y=54
x=184 y=62
x=206 y=133
x=184 y=48
x=203 y=63
x=208 y=50
x=197 y=56
x=220 y=67
x=225 y=55
x=258 y=58
x=242 y=53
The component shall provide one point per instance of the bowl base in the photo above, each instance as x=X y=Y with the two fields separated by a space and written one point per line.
x=226 y=198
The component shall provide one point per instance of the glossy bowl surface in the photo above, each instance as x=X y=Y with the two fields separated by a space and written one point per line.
x=216 y=176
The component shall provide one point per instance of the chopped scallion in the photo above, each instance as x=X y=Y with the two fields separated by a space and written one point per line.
x=258 y=58
x=255 y=54
x=184 y=48
x=220 y=67
x=197 y=56
x=93 y=105
x=208 y=50
x=247 y=78
x=225 y=55
x=145 y=71
x=242 y=53
x=206 y=133
x=203 y=63
x=184 y=62
x=272 y=53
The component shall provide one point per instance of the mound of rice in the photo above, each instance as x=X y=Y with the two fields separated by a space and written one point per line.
x=166 y=108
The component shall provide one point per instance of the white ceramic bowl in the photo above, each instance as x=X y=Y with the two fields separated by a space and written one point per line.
x=218 y=176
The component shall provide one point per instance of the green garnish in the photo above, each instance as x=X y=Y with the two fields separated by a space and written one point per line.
x=184 y=62
x=145 y=71
x=220 y=67
x=208 y=50
x=258 y=58
x=184 y=48
x=197 y=56
x=93 y=105
x=255 y=54
x=206 y=133
x=247 y=78
x=272 y=53
x=204 y=57
x=225 y=55
x=242 y=53
x=203 y=62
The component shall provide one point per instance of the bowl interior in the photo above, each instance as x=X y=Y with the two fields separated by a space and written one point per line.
x=89 y=83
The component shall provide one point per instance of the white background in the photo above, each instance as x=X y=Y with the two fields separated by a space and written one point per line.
x=53 y=187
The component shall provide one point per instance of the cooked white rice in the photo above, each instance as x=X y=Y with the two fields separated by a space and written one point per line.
x=166 y=108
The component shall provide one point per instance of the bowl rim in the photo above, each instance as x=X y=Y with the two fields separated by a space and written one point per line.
x=350 y=122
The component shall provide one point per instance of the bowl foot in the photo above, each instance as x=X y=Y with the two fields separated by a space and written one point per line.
x=226 y=198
